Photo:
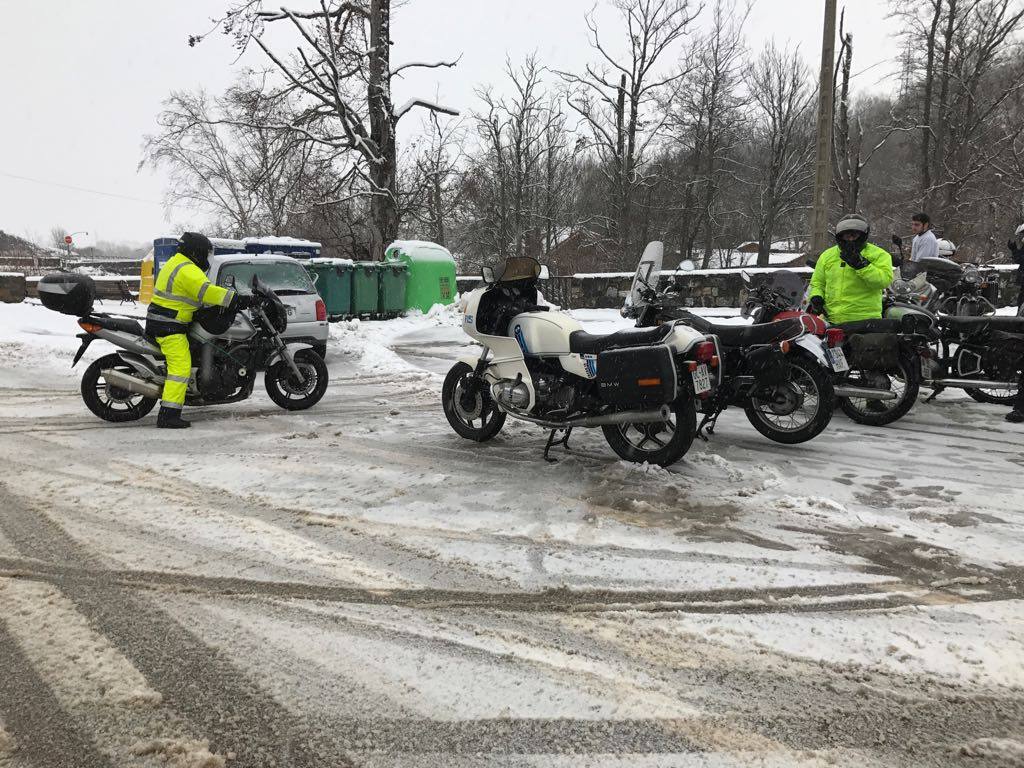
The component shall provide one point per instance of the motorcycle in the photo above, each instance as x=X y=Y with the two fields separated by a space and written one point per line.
x=540 y=366
x=947 y=287
x=776 y=371
x=984 y=356
x=226 y=352
x=875 y=362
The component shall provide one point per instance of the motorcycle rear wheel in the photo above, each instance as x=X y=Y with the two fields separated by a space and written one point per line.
x=112 y=403
x=814 y=382
x=991 y=396
x=663 y=443
x=289 y=393
x=861 y=411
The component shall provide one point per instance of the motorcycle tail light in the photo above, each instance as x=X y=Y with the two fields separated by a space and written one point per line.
x=89 y=327
x=705 y=351
x=834 y=337
x=784 y=346
x=321 y=310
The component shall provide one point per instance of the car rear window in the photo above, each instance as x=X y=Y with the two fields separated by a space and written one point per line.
x=282 y=277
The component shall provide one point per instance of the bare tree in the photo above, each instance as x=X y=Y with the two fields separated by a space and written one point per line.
x=342 y=72
x=782 y=151
x=436 y=193
x=705 y=120
x=618 y=100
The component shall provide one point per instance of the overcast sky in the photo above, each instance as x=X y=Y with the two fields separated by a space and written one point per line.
x=83 y=81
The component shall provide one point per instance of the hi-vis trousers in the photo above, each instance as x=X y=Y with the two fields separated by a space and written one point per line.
x=179 y=369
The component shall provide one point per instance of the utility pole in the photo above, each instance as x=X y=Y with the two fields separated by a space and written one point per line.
x=823 y=156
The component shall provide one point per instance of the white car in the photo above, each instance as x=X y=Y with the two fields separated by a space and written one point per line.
x=288 y=278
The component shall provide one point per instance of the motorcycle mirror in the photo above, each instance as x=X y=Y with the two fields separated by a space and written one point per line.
x=487 y=275
x=745 y=276
x=687 y=266
x=544 y=274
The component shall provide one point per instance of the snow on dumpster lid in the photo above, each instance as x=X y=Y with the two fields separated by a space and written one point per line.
x=227 y=244
x=278 y=240
x=422 y=250
x=329 y=260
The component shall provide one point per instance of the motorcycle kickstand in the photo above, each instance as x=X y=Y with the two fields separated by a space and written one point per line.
x=708 y=424
x=935 y=393
x=563 y=441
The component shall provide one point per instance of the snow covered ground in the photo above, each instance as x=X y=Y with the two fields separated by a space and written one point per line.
x=357 y=585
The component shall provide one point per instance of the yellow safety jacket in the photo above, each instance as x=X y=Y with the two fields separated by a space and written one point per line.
x=852 y=294
x=181 y=288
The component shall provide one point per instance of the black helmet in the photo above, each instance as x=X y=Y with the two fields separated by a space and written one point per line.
x=853 y=222
x=196 y=247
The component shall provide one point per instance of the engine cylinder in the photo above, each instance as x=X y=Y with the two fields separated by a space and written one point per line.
x=511 y=394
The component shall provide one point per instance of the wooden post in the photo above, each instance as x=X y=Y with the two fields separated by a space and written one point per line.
x=823 y=156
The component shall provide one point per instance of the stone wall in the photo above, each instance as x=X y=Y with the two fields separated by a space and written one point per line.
x=12 y=288
x=711 y=288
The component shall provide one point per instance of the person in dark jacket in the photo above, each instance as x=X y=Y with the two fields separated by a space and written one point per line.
x=1016 y=246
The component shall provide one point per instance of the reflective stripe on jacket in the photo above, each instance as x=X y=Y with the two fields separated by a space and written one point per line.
x=852 y=294
x=181 y=286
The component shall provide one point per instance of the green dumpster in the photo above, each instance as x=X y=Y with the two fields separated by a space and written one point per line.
x=394 y=278
x=333 y=281
x=365 y=288
x=431 y=272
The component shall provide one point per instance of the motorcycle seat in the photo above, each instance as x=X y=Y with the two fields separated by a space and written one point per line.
x=872 y=325
x=583 y=343
x=994 y=323
x=123 y=324
x=732 y=335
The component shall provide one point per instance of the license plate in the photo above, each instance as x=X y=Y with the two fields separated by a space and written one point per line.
x=837 y=358
x=701 y=379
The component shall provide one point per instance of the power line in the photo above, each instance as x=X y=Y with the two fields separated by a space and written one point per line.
x=79 y=189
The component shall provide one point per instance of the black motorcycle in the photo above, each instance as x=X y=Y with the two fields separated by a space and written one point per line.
x=227 y=350
x=775 y=371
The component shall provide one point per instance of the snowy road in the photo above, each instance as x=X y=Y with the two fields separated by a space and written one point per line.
x=356 y=585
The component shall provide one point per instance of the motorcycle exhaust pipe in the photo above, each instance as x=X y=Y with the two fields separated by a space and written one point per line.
x=622 y=417
x=973 y=384
x=865 y=393
x=132 y=383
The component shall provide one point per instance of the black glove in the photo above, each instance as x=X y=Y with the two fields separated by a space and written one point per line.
x=1016 y=251
x=239 y=302
x=816 y=306
x=850 y=254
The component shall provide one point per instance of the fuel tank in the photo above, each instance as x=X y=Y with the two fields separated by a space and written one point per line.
x=543 y=333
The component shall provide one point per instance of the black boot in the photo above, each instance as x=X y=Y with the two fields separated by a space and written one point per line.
x=170 y=418
x=1015 y=417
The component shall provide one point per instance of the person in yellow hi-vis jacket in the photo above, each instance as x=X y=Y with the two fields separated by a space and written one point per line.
x=180 y=288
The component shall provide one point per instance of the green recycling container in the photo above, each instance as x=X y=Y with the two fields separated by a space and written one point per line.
x=365 y=289
x=431 y=272
x=333 y=281
x=394 y=279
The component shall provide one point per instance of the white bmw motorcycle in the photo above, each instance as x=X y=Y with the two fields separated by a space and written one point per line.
x=538 y=365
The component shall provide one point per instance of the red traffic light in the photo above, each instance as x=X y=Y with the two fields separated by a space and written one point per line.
x=67 y=239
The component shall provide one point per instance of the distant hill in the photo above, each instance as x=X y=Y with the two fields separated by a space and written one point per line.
x=12 y=245
x=20 y=255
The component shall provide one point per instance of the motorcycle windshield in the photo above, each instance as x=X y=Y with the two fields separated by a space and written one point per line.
x=788 y=286
x=647 y=273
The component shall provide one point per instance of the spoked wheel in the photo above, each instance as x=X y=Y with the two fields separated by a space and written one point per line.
x=904 y=383
x=662 y=443
x=468 y=405
x=291 y=392
x=109 y=402
x=966 y=365
x=797 y=409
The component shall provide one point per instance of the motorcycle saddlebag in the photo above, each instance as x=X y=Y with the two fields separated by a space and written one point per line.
x=1004 y=355
x=637 y=376
x=768 y=365
x=67 y=293
x=874 y=351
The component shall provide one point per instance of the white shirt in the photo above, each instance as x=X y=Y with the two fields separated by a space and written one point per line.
x=925 y=246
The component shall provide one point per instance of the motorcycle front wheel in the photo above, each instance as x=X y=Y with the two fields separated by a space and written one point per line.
x=877 y=413
x=799 y=408
x=294 y=394
x=468 y=405
x=112 y=403
x=662 y=443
